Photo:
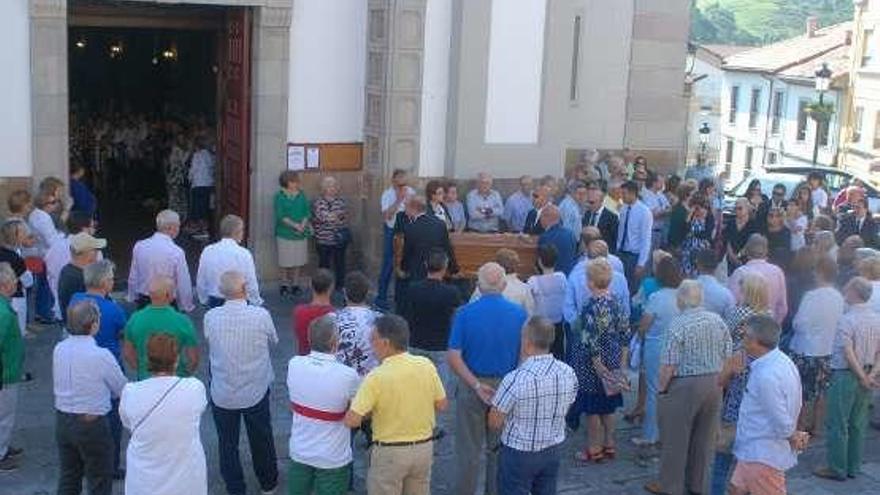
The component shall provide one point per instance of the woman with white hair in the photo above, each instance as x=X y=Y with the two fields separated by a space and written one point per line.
x=332 y=233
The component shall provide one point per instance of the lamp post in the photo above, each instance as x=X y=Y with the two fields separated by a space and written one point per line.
x=823 y=82
x=704 y=142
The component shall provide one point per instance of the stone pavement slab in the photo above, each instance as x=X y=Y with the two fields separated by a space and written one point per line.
x=626 y=475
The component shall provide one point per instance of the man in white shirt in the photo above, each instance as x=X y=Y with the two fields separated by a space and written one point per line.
x=85 y=378
x=321 y=389
x=159 y=256
x=239 y=336
x=634 y=235
x=201 y=179
x=392 y=202
x=222 y=256
x=516 y=291
x=767 y=440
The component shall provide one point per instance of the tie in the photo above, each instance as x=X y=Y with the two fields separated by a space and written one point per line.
x=625 y=230
x=592 y=219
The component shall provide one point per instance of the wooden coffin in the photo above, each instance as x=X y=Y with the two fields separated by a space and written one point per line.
x=472 y=250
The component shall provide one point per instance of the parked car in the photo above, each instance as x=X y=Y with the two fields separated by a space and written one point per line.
x=835 y=180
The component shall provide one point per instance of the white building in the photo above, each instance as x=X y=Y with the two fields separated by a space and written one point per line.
x=703 y=78
x=765 y=94
x=438 y=87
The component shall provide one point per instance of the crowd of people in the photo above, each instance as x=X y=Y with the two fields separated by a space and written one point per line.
x=749 y=332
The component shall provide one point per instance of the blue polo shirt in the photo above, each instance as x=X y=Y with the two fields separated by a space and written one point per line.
x=113 y=320
x=487 y=332
x=566 y=246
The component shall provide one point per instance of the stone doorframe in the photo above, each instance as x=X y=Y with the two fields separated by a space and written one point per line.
x=269 y=93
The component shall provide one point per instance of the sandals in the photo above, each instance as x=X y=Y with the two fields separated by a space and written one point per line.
x=609 y=451
x=588 y=455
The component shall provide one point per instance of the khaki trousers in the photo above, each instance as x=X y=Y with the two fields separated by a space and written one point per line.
x=473 y=437
x=404 y=470
x=689 y=414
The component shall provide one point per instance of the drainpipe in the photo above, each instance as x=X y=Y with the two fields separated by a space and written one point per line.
x=767 y=120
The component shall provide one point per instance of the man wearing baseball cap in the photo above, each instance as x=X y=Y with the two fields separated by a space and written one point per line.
x=83 y=252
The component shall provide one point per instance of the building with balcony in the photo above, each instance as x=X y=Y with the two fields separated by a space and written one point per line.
x=767 y=95
x=860 y=132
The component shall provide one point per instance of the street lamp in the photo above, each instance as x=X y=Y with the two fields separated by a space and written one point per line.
x=704 y=142
x=823 y=82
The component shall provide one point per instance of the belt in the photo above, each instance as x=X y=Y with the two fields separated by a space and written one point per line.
x=316 y=413
x=437 y=436
x=85 y=418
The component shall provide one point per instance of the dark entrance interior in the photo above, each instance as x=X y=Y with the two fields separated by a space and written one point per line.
x=149 y=85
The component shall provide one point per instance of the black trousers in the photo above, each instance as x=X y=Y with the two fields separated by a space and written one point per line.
x=258 y=423
x=85 y=449
x=558 y=347
x=334 y=254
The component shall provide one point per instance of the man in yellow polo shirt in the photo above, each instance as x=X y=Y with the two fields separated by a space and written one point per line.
x=401 y=395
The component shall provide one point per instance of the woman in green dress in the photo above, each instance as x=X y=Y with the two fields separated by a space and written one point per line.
x=292 y=231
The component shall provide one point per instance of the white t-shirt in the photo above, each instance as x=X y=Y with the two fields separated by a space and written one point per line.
x=165 y=454
x=319 y=382
x=389 y=196
x=819 y=198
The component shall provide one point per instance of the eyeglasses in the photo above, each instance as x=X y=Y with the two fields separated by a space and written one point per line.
x=778 y=193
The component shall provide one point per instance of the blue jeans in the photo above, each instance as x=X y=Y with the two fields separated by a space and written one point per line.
x=258 y=423
x=651 y=358
x=387 y=266
x=43 y=300
x=521 y=473
x=721 y=472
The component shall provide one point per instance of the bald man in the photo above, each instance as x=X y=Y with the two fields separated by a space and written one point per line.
x=160 y=317
x=561 y=237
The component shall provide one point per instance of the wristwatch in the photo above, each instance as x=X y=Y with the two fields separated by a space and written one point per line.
x=477 y=386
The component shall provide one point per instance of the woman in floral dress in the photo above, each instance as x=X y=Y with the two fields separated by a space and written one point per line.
x=599 y=351
x=176 y=175
x=699 y=236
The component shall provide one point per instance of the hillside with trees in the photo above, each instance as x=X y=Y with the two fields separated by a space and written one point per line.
x=758 y=22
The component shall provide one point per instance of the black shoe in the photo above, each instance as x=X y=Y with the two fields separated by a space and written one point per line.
x=296 y=291
x=8 y=464
x=14 y=452
x=283 y=291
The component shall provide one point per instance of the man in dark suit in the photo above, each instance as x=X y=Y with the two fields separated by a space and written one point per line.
x=600 y=217
x=533 y=219
x=858 y=222
x=421 y=234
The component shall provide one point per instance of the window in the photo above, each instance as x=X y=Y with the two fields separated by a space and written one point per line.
x=869 y=49
x=734 y=102
x=772 y=158
x=858 y=116
x=802 y=120
x=776 y=122
x=575 y=59
x=728 y=152
x=750 y=153
x=877 y=132
x=753 y=107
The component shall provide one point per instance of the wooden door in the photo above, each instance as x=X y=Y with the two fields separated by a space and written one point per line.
x=234 y=106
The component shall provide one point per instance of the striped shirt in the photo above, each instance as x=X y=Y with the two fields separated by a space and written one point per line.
x=697 y=343
x=535 y=397
x=860 y=328
x=238 y=338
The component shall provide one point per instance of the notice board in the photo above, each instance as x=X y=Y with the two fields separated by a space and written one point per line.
x=330 y=157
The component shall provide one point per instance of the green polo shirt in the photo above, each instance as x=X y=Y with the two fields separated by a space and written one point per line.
x=11 y=345
x=295 y=208
x=160 y=319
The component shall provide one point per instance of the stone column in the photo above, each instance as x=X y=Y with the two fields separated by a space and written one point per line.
x=656 y=105
x=395 y=52
x=269 y=93
x=49 y=88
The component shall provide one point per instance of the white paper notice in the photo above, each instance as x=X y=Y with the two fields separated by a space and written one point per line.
x=313 y=157
x=296 y=157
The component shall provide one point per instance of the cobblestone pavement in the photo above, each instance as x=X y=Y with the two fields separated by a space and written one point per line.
x=626 y=475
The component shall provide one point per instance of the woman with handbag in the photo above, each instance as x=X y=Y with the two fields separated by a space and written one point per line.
x=599 y=358
x=332 y=233
x=165 y=454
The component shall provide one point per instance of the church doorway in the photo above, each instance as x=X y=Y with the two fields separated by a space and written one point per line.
x=160 y=115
